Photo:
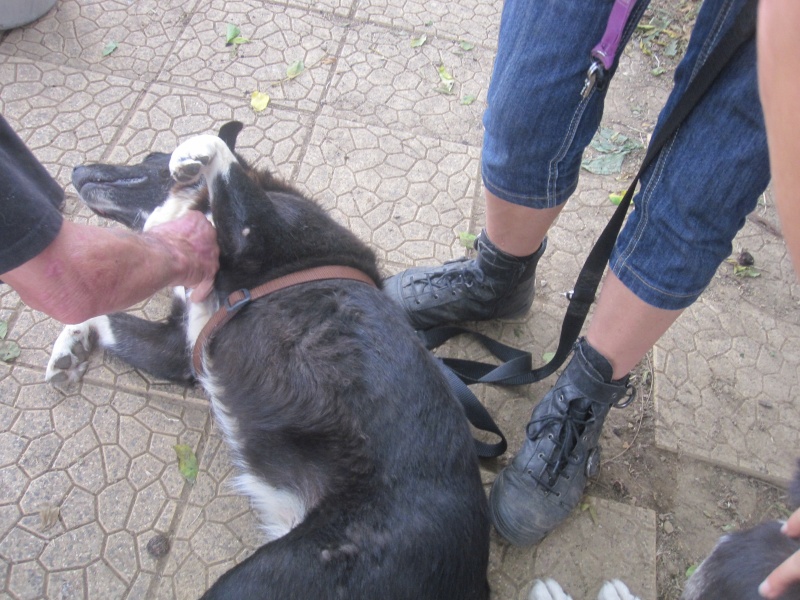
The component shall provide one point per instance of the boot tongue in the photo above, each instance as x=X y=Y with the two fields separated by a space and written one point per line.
x=597 y=361
x=579 y=408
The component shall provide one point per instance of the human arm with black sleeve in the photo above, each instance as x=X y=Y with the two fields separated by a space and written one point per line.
x=73 y=271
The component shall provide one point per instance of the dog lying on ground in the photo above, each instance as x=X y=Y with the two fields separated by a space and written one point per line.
x=348 y=439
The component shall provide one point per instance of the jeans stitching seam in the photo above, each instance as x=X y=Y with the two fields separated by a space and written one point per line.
x=711 y=41
x=646 y=195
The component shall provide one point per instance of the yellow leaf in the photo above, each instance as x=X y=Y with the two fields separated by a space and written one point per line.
x=259 y=101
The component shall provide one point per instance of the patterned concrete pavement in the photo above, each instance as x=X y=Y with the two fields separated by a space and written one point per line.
x=88 y=475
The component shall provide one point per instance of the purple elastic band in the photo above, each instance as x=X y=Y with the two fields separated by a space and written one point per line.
x=606 y=50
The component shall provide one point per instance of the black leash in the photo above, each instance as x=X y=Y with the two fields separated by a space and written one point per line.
x=517 y=366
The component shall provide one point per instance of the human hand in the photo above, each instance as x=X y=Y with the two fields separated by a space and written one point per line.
x=788 y=572
x=193 y=243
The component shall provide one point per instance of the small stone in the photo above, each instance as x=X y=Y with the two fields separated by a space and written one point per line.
x=745 y=259
x=158 y=545
x=668 y=527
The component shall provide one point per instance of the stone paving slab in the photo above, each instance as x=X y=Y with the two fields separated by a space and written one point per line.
x=66 y=116
x=278 y=38
x=105 y=460
x=403 y=193
x=75 y=33
x=380 y=79
x=469 y=20
x=727 y=372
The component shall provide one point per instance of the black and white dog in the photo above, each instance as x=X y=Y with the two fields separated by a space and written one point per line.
x=347 y=437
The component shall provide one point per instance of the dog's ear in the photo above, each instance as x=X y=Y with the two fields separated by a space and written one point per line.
x=229 y=132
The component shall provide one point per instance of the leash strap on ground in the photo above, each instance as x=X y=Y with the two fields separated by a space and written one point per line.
x=517 y=366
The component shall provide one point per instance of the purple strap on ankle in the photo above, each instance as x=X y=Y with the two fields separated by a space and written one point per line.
x=606 y=50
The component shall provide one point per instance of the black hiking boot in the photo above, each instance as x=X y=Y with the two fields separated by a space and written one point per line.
x=546 y=479
x=492 y=285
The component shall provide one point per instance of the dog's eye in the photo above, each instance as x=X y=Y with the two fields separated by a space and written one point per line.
x=164 y=174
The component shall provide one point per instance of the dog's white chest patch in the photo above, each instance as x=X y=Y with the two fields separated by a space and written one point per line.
x=279 y=510
x=197 y=315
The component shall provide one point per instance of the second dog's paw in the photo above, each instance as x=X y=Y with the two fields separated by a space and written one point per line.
x=70 y=356
x=188 y=160
x=547 y=589
x=615 y=590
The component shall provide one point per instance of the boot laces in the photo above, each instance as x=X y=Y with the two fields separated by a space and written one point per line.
x=444 y=280
x=564 y=431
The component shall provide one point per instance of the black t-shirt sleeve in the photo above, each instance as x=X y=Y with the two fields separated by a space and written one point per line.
x=30 y=202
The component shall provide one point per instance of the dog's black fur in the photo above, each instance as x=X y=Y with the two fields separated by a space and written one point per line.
x=332 y=399
x=742 y=560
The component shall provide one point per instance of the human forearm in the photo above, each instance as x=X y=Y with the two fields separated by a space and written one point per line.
x=88 y=271
x=778 y=55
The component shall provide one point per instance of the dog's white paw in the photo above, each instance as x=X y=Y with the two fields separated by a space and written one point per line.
x=547 y=589
x=615 y=590
x=202 y=154
x=70 y=356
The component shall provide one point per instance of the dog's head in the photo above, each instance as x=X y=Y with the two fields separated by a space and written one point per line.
x=128 y=194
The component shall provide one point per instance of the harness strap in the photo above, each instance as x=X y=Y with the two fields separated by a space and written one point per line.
x=240 y=298
x=606 y=50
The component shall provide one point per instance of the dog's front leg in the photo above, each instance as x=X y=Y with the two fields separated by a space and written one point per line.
x=158 y=348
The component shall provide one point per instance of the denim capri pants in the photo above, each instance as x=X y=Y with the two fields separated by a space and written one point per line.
x=694 y=197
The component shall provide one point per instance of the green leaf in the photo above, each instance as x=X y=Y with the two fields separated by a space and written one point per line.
x=231 y=33
x=468 y=99
x=672 y=48
x=259 y=101
x=417 y=42
x=741 y=271
x=613 y=147
x=233 y=37
x=9 y=351
x=444 y=75
x=605 y=164
x=109 y=48
x=465 y=45
x=607 y=140
x=690 y=571
x=548 y=356
x=3 y=330
x=658 y=71
x=295 y=69
x=187 y=462
x=447 y=81
x=467 y=239
x=616 y=198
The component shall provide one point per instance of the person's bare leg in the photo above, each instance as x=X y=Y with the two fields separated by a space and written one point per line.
x=514 y=229
x=624 y=328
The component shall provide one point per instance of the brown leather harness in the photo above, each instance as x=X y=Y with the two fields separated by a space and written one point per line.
x=240 y=298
